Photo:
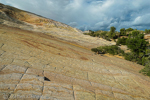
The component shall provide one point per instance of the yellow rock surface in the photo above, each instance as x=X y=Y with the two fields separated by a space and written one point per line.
x=60 y=66
x=75 y=73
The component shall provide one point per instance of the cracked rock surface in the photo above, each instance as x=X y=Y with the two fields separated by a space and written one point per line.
x=42 y=59
x=73 y=72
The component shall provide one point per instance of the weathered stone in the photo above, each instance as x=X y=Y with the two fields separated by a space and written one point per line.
x=14 y=69
x=57 y=64
x=32 y=79
x=35 y=72
x=83 y=94
x=4 y=95
x=12 y=78
x=57 y=90
x=24 y=96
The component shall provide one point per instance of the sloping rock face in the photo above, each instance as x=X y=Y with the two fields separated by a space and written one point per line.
x=41 y=67
x=25 y=18
x=59 y=65
x=14 y=17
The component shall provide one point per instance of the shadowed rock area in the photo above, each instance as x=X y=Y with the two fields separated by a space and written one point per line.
x=59 y=65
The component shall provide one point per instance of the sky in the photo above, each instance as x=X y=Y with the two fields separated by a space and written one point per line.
x=90 y=14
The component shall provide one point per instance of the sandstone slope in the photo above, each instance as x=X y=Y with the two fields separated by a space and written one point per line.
x=28 y=21
x=39 y=66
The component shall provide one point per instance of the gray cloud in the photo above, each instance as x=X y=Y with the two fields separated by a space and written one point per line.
x=90 y=14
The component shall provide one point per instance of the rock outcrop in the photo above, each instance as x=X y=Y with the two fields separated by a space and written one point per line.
x=14 y=17
x=38 y=66
x=25 y=18
x=147 y=37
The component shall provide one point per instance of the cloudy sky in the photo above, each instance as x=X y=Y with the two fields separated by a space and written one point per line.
x=91 y=14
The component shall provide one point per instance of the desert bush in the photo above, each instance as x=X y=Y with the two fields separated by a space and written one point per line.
x=148 y=50
x=131 y=56
x=146 y=63
x=94 y=50
x=113 y=34
x=146 y=70
x=121 y=41
x=114 y=50
x=136 y=42
x=134 y=34
x=147 y=31
x=139 y=61
x=103 y=34
x=123 y=32
x=86 y=33
x=129 y=29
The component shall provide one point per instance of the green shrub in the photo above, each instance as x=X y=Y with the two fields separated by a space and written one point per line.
x=139 y=61
x=146 y=63
x=130 y=56
x=129 y=29
x=148 y=50
x=114 y=50
x=94 y=49
x=123 y=32
x=147 y=31
x=103 y=34
x=86 y=33
x=136 y=44
x=113 y=34
x=107 y=38
x=121 y=41
x=146 y=70
x=134 y=34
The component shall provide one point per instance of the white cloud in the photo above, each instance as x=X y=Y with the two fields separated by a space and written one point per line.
x=90 y=14
x=142 y=20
